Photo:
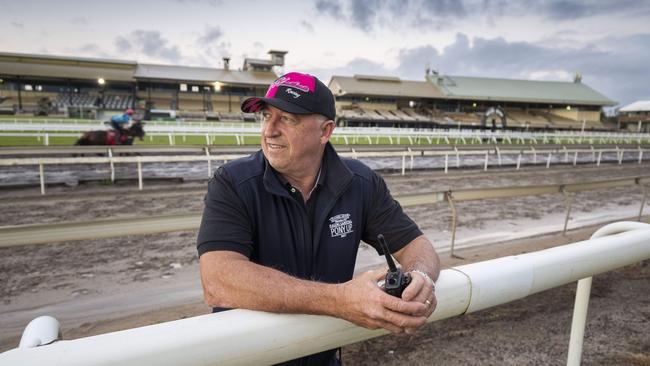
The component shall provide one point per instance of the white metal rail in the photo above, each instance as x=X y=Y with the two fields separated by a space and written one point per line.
x=348 y=134
x=243 y=337
x=538 y=155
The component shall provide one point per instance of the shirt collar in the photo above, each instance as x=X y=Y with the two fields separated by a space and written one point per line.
x=334 y=174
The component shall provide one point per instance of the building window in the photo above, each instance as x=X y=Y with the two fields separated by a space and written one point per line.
x=28 y=87
x=39 y=87
x=183 y=87
x=195 y=89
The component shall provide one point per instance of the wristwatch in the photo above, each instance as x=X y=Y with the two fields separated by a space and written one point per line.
x=426 y=276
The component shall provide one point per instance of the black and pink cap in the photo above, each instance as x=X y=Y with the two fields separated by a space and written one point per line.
x=295 y=93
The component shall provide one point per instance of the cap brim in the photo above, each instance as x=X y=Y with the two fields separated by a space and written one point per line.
x=256 y=104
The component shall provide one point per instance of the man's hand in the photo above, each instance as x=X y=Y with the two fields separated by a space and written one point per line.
x=364 y=303
x=421 y=290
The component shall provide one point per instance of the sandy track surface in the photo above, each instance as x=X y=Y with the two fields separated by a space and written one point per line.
x=96 y=286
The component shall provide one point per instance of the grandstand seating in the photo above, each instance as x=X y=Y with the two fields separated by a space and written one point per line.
x=532 y=119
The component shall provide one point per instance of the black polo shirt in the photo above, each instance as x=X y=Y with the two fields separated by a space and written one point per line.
x=249 y=209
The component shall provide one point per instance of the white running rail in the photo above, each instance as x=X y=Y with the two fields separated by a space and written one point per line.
x=243 y=337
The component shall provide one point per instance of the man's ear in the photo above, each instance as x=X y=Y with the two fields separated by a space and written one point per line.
x=327 y=128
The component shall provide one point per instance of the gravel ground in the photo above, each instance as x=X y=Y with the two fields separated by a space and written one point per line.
x=530 y=331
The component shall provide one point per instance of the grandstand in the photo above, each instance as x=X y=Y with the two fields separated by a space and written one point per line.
x=635 y=116
x=63 y=86
x=468 y=102
x=71 y=86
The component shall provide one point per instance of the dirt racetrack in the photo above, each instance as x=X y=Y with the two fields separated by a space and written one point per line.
x=115 y=277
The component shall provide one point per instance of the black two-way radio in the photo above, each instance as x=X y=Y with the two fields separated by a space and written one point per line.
x=396 y=280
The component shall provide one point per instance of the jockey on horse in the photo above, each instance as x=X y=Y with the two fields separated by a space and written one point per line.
x=119 y=135
x=119 y=121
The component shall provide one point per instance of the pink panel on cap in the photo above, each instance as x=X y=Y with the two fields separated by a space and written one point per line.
x=304 y=82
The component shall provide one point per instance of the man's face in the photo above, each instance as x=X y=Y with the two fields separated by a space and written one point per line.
x=292 y=143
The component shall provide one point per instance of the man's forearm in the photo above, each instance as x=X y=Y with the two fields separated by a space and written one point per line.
x=231 y=281
x=419 y=255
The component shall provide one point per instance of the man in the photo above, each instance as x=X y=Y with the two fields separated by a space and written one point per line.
x=120 y=121
x=281 y=228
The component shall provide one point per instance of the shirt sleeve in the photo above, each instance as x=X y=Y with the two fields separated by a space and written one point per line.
x=225 y=224
x=387 y=217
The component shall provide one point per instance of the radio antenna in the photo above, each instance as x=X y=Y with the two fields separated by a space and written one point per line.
x=384 y=248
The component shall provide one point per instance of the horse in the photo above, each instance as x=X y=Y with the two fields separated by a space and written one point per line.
x=111 y=137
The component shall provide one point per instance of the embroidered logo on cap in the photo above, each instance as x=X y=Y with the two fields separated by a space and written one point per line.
x=341 y=225
x=305 y=83
x=293 y=93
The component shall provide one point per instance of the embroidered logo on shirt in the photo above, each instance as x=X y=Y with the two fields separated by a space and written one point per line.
x=341 y=225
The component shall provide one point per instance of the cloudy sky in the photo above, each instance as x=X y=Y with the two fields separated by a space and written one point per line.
x=608 y=42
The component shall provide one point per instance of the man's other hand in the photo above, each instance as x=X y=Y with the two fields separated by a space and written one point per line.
x=364 y=303
x=421 y=289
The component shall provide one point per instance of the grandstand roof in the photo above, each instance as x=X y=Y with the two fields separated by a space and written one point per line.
x=203 y=74
x=382 y=86
x=532 y=91
x=638 y=106
x=29 y=65
x=65 y=67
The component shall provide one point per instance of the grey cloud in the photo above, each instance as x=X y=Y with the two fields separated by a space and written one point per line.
x=150 y=43
x=573 y=9
x=329 y=7
x=614 y=66
x=89 y=48
x=211 y=34
x=363 y=13
x=212 y=45
x=18 y=25
x=307 y=26
x=122 y=44
x=366 y=14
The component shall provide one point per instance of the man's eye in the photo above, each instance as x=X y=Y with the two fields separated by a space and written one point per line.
x=288 y=120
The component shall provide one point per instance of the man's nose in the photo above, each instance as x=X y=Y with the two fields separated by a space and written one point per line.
x=270 y=126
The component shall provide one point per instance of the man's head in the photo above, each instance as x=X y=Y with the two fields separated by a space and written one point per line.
x=297 y=122
x=129 y=112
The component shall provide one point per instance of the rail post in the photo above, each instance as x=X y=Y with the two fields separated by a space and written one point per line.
x=567 y=204
x=485 y=166
x=620 y=156
x=498 y=155
x=454 y=220
x=41 y=173
x=403 y=162
x=112 y=164
x=534 y=155
x=548 y=160
x=139 y=174
x=640 y=154
x=446 y=163
x=207 y=155
x=644 y=190
x=583 y=291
